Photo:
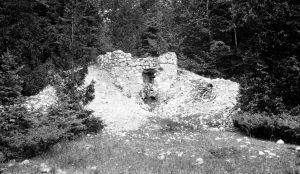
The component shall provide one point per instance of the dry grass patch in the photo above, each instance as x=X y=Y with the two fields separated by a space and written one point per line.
x=166 y=152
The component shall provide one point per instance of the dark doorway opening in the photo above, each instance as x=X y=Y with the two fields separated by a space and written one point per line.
x=149 y=96
x=148 y=76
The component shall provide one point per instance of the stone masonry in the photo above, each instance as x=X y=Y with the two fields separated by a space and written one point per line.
x=130 y=73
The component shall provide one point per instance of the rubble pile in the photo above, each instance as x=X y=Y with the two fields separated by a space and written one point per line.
x=43 y=100
x=186 y=98
x=178 y=93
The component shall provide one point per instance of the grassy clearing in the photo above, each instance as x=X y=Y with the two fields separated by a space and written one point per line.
x=165 y=152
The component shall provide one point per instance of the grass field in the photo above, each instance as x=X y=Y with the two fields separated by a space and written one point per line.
x=165 y=152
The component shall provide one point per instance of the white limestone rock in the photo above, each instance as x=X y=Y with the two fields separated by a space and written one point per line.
x=280 y=142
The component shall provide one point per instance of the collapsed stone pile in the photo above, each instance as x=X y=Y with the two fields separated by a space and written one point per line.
x=180 y=93
x=185 y=99
x=120 y=79
x=43 y=100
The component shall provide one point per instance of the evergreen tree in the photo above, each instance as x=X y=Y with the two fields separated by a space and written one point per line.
x=268 y=32
x=10 y=82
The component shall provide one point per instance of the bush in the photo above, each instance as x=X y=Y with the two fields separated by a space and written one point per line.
x=36 y=80
x=283 y=126
x=10 y=82
x=15 y=123
x=25 y=134
x=178 y=123
x=93 y=125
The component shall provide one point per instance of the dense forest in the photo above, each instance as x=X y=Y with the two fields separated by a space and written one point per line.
x=254 y=42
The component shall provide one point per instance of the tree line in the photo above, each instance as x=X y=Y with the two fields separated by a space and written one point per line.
x=254 y=42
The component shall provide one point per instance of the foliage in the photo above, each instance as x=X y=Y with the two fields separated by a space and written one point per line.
x=10 y=82
x=253 y=42
x=145 y=148
x=61 y=33
x=25 y=134
x=283 y=126
x=35 y=80
x=178 y=123
x=121 y=22
x=271 y=79
x=14 y=124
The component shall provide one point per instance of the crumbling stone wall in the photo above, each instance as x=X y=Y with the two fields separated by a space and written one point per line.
x=127 y=71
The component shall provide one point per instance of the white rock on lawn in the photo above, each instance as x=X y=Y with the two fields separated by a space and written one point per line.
x=238 y=140
x=25 y=162
x=161 y=157
x=199 y=161
x=88 y=146
x=280 y=142
x=261 y=153
x=218 y=138
x=59 y=171
x=44 y=168
x=272 y=154
x=168 y=153
x=180 y=154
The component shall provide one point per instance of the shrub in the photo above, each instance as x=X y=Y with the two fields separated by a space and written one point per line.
x=15 y=123
x=178 y=123
x=10 y=82
x=25 y=134
x=36 y=80
x=283 y=126
x=93 y=125
x=269 y=88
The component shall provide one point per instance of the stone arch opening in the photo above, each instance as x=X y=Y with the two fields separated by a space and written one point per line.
x=148 y=76
x=149 y=95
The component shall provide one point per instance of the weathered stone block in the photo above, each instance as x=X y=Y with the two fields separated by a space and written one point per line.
x=128 y=70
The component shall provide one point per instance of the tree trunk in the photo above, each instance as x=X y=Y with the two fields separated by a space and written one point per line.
x=208 y=20
x=235 y=37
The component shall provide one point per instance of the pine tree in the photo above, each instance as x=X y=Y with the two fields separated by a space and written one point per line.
x=10 y=82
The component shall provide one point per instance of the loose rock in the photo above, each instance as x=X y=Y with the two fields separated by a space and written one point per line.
x=218 y=138
x=88 y=146
x=93 y=168
x=25 y=162
x=59 y=171
x=199 y=161
x=44 y=168
x=180 y=154
x=11 y=163
x=239 y=140
x=280 y=142
x=161 y=157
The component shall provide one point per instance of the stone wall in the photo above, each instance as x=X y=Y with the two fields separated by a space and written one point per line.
x=128 y=71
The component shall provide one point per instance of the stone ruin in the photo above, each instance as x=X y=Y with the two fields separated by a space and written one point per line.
x=169 y=91
x=140 y=77
x=152 y=86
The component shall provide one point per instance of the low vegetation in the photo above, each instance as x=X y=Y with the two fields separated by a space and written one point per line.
x=284 y=126
x=156 y=151
x=27 y=133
